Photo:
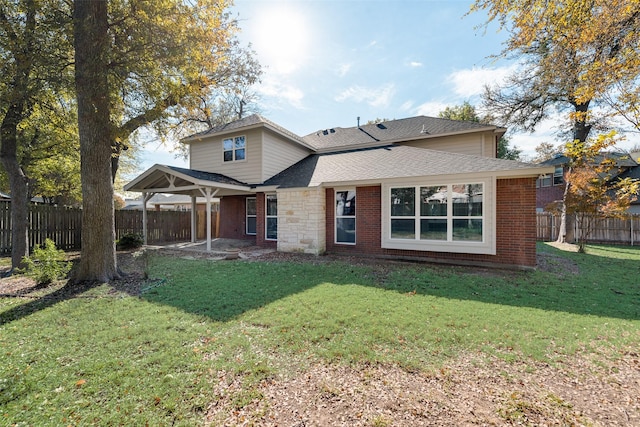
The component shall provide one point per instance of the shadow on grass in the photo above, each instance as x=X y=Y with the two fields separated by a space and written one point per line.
x=46 y=300
x=221 y=291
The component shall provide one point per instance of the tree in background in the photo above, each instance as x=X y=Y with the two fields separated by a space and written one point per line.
x=34 y=58
x=573 y=55
x=595 y=192
x=467 y=112
x=546 y=151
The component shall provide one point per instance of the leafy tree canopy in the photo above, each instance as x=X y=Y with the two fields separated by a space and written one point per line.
x=574 y=53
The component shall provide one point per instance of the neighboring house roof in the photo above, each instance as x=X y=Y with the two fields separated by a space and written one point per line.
x=392 y=161
x=622 y=159
x=252 y=121
x=383 y=133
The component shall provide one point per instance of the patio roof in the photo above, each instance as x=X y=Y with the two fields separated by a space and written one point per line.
x=175 y=180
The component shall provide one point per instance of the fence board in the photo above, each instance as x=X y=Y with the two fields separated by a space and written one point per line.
x=64 y=225
x=607 y=230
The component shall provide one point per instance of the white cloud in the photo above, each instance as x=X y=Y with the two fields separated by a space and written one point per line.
x=471 y=82
x=343 y=69
x=282 y=92
x=415 y=64
x=431 y=108
x=406 y=106
x=376 y=97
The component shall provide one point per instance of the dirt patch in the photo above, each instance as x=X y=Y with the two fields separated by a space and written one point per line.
x=472 y=390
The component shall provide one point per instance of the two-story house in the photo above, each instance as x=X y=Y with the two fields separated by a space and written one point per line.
x=418 y=188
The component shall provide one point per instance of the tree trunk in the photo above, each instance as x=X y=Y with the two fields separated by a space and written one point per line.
x=17 y=100
x=581 y=130
x=91 y=43
x=19 y=193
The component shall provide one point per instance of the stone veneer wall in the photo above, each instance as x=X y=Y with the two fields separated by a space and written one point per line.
x=301 y=221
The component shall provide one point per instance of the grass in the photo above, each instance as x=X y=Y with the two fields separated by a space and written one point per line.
x=108 y=358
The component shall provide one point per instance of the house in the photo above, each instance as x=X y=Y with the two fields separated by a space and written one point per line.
x=550 y=187
x=418 y=188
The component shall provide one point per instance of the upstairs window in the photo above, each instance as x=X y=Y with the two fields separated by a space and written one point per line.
x=234 y=149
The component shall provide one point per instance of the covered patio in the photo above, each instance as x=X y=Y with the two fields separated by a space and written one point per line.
x=174 y=180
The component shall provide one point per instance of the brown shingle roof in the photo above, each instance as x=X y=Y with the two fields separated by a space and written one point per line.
x=390 y=131
x=391 y=161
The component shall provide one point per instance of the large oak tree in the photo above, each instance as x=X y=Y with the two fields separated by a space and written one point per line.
x=575 y=55
x=157 y=62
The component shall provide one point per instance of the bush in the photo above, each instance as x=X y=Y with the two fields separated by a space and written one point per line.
x=46 y=264
x=130 y=241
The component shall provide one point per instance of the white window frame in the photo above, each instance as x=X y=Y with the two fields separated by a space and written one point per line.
x=486 y=246
x=267 y=216
x=337 y=217
x=234 y=149
x=558 y=176
x=247 y=216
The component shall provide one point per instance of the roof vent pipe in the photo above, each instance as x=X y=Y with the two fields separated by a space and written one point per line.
x=358 y=121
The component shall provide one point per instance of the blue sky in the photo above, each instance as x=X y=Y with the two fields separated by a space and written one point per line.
x=328 y=62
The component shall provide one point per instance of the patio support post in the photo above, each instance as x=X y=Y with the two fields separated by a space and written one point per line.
x=209 y=197
x=145 y=198
x=194 y=217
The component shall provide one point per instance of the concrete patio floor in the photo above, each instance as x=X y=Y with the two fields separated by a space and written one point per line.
x=220 y=248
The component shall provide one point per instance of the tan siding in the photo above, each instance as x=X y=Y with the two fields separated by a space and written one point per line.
x=473 y=144
x=278 y=154
x=207 y=156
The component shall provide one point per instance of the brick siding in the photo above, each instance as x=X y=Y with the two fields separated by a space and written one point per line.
x=515 y=233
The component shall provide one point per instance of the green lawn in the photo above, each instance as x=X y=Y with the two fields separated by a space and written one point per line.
x=106 y=357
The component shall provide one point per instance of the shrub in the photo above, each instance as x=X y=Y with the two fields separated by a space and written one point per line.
x=46 y=264
x=130 y=241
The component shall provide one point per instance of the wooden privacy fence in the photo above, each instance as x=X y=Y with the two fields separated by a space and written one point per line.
x=607 y=230
x=63 y=225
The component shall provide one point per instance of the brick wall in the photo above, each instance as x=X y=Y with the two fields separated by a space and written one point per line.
x=546 y=195
x=233 y=218
x=515 y=233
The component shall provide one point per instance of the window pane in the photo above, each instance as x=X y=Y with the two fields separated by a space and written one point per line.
x=467 y=230
x=346 y=230
x=228 y=156
x=272 y=228
x=345 y=203
x=272 y=206
x=403 y=201
x=467 y=200
x=239 y=142
x=251 y=225
x=240 y=154
x=403 y=229
x=433 y=229
x=433 y=201
x=251 y=206
x=227 y=144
